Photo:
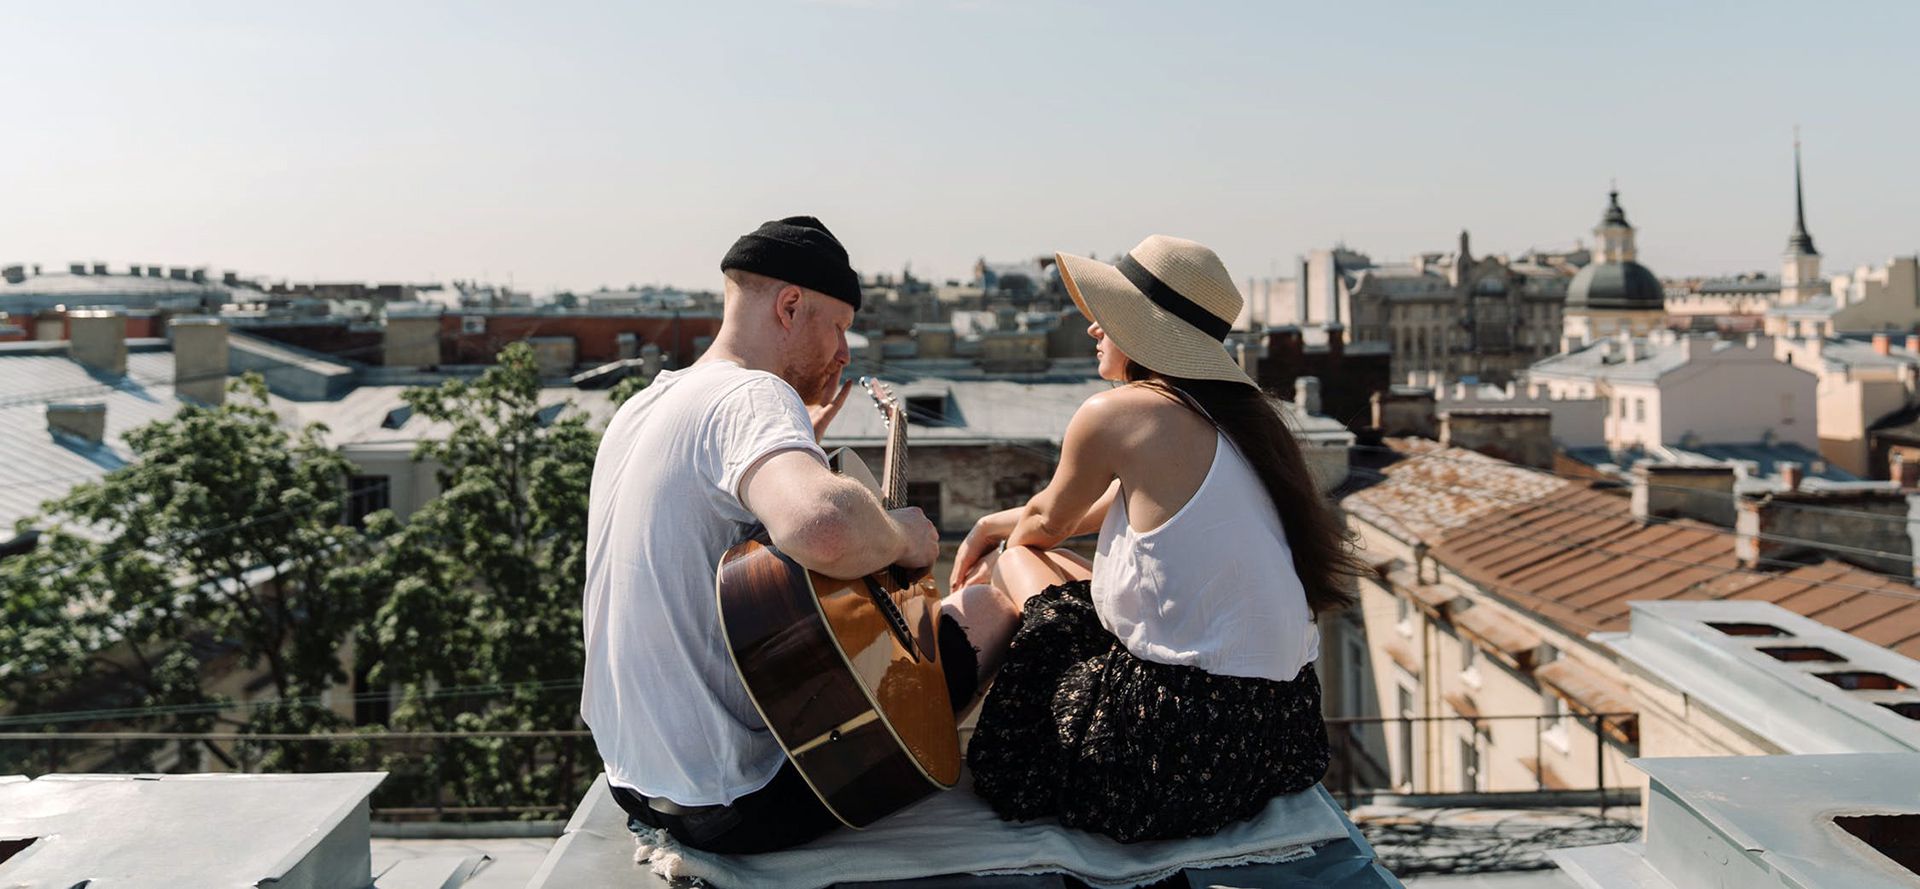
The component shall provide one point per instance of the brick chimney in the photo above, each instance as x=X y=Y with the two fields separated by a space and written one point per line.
x=98 y=340
x=200 y=359
x=84 y=420
x=1882 y=343
x=1336 y=340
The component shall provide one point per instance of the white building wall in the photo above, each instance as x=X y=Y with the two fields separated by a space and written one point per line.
x=1736 y=394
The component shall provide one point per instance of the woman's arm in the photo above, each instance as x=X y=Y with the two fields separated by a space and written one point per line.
x=993 y=528
x=1084 y=480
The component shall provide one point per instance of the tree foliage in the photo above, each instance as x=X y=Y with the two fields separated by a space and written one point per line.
x=219 y=548
x=485 y=587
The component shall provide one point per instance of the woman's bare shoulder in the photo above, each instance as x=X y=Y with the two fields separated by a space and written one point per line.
x=1132 y=409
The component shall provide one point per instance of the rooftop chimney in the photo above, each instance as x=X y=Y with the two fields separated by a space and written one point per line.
x=1913 y=343
x=1904 y=472
x=1790 y=474
x=154 y=271
x=134 y=270
x=1704 y=493
x=77 y=268
x=1882 y=344
x=14 y=274
x=1306 y=395
x=178 y=273
x=98 y=340
x=86 y=421
x=200 y=359
x=100 y=268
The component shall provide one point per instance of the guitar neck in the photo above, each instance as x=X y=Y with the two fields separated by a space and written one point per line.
x=893 y=488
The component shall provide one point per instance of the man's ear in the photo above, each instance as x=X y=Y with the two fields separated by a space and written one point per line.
x=786 y=305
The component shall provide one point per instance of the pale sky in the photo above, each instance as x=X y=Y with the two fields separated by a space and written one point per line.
x=573 y=145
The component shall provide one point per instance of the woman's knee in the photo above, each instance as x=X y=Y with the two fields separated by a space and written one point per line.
x=989 y=620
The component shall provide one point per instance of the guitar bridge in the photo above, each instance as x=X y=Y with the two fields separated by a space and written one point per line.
x=896 y=621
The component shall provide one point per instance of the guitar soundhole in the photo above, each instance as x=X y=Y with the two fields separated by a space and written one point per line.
x=895 y=620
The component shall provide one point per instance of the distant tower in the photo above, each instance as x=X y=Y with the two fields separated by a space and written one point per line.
x=1613 y=233
x=1800 y=266
x=1614 y=294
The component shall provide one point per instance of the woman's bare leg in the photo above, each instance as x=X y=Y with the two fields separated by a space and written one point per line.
x=1022 y=572
x=987 y=609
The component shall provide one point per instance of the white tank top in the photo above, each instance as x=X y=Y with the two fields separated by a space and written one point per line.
x=1214 y=586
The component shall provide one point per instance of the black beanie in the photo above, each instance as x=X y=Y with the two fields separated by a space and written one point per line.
x=797 y=250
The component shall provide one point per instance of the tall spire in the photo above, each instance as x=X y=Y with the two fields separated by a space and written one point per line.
x=1799 y=243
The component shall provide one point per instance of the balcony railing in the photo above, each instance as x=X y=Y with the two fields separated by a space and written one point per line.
x=1356 y=770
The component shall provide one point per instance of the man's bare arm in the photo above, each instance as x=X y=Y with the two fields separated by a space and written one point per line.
x=829 y=523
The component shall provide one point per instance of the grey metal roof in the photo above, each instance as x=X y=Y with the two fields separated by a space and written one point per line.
x=984 y=411
x=1605 y=360
x=1615 y=285
x=40 y=465
x=1757 y=821
x=1784 y=703
x=45 y=291
x=125 y=831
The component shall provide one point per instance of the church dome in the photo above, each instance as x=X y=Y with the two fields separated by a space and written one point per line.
x=1624 y=285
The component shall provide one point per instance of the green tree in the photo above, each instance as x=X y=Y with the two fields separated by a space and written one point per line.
x=485 y=587
x=220 y=547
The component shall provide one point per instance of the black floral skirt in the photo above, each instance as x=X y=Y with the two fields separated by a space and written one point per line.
x=1077 y=728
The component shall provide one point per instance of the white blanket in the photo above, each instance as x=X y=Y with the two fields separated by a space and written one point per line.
x=956 y=833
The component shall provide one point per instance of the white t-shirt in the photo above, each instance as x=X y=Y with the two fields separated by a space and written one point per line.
x=661 y=694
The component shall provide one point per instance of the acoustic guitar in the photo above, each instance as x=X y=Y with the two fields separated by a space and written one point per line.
x=846 y=673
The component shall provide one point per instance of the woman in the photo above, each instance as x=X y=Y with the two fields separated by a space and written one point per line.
x=1167 y=688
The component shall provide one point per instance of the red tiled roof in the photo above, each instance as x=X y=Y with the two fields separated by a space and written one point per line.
x=1577 y=559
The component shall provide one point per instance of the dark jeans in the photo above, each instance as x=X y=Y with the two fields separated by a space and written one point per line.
x=785 y=813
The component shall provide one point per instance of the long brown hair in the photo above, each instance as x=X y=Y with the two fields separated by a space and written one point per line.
x=1251 y=419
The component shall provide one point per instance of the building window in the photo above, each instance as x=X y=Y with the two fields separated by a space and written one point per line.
x=1469 y=662
x=1403 y=615
x=1403 y=739
x=366 y=495
x=925 y=495
x=1470 y=763
x=473 y=324
x=1639 y=410
x=1354 y=683
x=1623 y=408
x=1555 y=731
x=927 y=410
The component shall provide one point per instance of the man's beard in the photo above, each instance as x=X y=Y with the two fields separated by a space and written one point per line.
x=817 y=383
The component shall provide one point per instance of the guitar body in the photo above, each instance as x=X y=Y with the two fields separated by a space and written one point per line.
x=846 y=674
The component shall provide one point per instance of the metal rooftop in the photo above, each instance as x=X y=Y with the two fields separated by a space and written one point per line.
x=1807 y=822
x=42 y=465
x=1802 y=686
x=127 y=831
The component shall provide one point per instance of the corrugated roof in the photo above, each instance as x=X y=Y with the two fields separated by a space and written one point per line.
x=1578 y=560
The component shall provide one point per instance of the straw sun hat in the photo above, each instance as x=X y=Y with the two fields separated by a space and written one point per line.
x=1168 y=304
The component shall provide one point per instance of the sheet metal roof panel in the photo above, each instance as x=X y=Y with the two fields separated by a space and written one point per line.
x=116 y=831
x=41 y=465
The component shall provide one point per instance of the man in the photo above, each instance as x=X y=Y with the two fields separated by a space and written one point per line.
x=686 y=469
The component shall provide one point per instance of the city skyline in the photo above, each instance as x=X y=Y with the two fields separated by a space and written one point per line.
x=597 y=145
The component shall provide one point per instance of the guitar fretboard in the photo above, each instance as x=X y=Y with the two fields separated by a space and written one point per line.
x=893 y=488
